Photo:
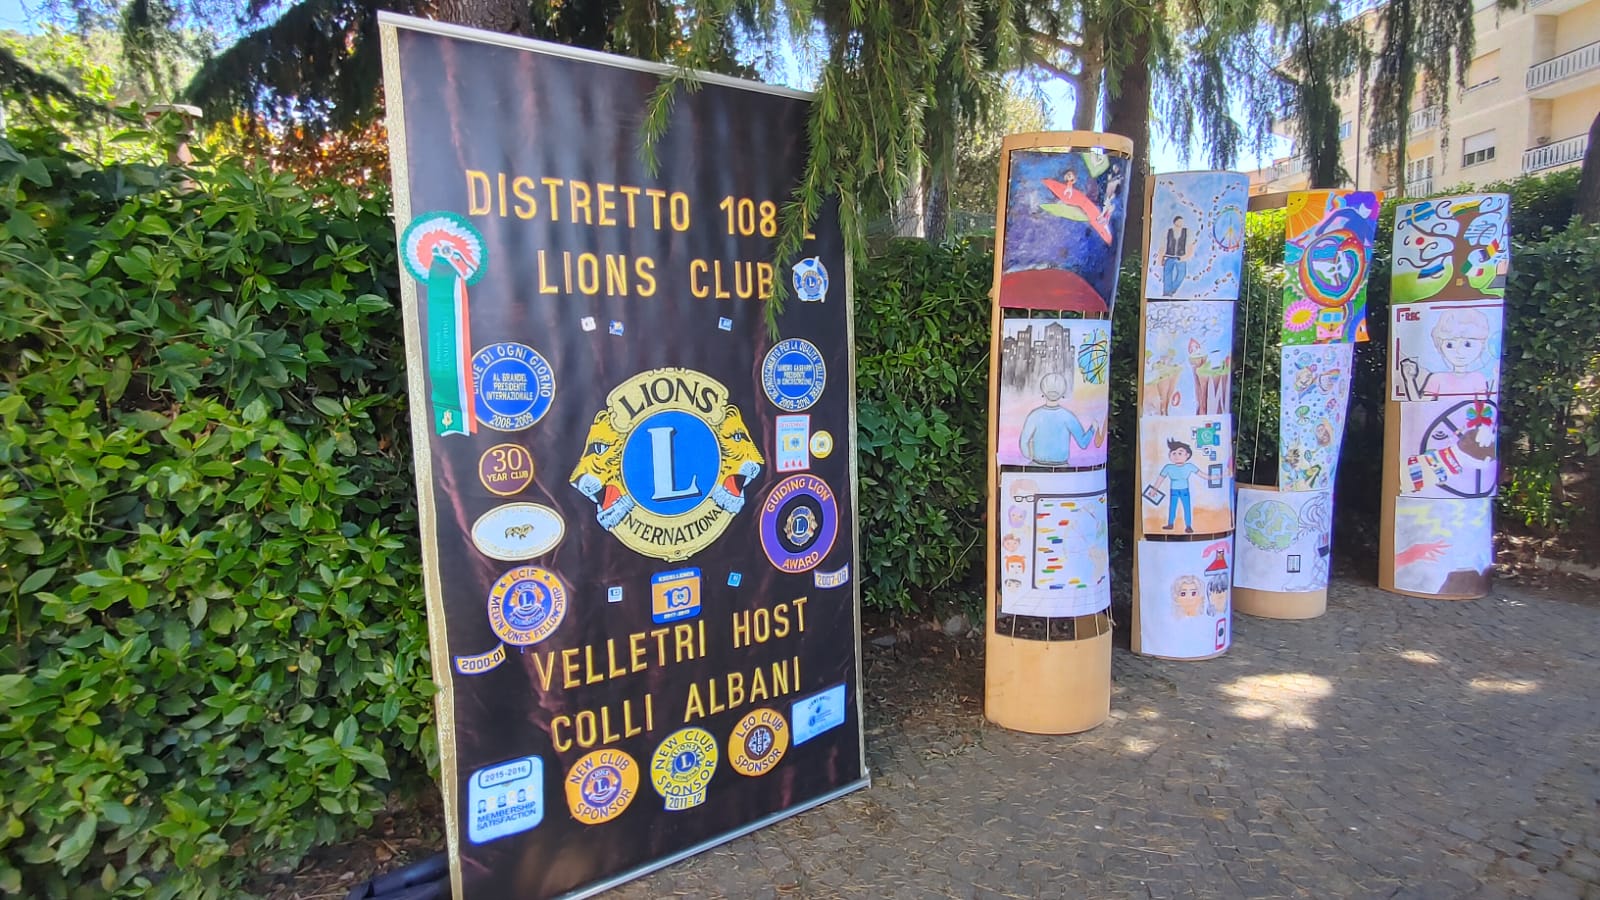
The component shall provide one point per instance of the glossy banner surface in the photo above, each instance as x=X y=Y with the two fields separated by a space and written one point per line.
x=638 y=507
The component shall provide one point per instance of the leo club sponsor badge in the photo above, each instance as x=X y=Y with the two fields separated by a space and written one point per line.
x=758 y=742
x=682 y=767
x=667 y=462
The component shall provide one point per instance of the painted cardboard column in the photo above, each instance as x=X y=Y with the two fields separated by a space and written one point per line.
x=1063 y=198
x=1287 y=529
x=1183 y=555
x=1441 y=415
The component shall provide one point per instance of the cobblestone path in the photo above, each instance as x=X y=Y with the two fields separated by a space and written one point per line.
x=1392 y=748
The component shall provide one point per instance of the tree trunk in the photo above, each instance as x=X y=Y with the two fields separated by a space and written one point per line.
x=1086 y=89
x=1128 y=114
x=506 y=16
x=1408 y=86
x=1588 y=202
x=936 y=212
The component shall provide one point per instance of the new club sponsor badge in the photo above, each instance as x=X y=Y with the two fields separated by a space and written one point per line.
x=793 y=374
x=674 y=595
x=810 y=278
x=682 y=767
x=505 y=469
x=758 y=742
x=799 y=522
x=514 y=386
x=667 y=462
x=601 y=785
x=526 y=605
x=517 y=531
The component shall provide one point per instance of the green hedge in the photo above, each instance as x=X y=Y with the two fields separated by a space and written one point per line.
x=922 y=382
x=209 y=587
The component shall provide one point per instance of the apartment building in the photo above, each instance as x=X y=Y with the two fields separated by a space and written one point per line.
x=1532 y=90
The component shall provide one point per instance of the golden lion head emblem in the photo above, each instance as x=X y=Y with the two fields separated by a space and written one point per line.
x=741 y=460
x=598 y=474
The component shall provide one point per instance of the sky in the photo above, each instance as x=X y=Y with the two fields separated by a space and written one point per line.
x=13 y=17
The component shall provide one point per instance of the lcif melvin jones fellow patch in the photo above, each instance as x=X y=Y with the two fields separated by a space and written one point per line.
x=682 y=767
x=793 y=374
x=667 y=463
x=526 y=604
x=444 y=252
x=758 y=742
x=601 y=785
x=799 y=522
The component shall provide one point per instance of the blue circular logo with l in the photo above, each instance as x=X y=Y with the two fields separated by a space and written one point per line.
x=670 y=462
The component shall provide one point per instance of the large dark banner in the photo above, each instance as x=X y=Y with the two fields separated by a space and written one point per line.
x=638 y=507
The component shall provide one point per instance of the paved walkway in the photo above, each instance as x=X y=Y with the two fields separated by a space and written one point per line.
x=1392 y=748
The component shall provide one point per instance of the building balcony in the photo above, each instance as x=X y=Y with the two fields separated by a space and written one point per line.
x=1555 y=154
x=1423 y=121
x=1422 y=187
x=1567 y=65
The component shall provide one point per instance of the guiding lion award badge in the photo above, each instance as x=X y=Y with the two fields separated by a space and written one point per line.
x=682 y=767
x=799 y=523
x=667 y=463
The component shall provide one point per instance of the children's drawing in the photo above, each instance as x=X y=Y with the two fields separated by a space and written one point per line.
x=1063 y=240
x=1446 y=350
x=1452 y=248
x=1054 y=558
x=1284 y=540
x=1328 y=254
x=1316 y=395
x=1197 y=236
x=1188 y=351
x=1443 y=547
x=1054 y=392
x=1185 y=591
x=1448 y=448
x=1186 y=474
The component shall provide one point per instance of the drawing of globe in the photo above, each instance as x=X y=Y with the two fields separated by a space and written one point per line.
x=1270 y=525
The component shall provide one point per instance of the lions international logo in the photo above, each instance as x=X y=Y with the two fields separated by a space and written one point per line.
x=667 y=463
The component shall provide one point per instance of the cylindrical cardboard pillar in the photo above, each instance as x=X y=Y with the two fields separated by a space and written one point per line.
x=1285 y=531
x=1078 y=670
x=1063 y=199
x=1441 y=411
x=1183 y=547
